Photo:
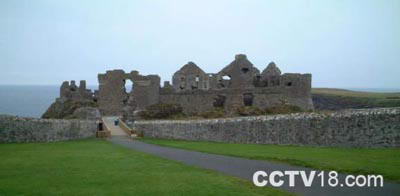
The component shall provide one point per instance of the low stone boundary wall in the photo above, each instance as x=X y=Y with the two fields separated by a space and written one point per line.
x=378 y=127
x=17 y=129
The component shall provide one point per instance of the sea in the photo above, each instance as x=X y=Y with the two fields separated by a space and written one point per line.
x=33 y=100
x=28 y=100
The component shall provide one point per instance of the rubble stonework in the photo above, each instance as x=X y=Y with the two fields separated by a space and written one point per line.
x=17 y=129
x=352 y=128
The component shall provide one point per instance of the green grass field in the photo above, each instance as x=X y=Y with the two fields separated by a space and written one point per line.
x=353 y=160
x=96 y=167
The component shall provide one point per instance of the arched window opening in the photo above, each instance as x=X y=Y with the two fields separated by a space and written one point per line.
x=224 y=81
x=128 y=86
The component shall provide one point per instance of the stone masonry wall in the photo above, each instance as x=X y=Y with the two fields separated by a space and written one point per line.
x=352 y=128
x=263 y=98
x=16 y=129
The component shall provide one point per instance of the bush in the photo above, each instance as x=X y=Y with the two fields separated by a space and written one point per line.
x=249 y=111
x=161 y=111
x=216 y=113
x=283 y=109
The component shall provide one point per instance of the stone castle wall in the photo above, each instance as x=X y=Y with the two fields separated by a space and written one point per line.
x=16 y=129
x=236 y=85
x=199 y=101
x=352 y=128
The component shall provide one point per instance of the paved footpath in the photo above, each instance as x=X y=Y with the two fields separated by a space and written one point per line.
x=245 y=168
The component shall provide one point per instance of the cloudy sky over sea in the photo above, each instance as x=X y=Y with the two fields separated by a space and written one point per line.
x=342 y=43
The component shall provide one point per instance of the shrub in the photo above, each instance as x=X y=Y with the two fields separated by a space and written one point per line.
x=249 y=111
x=161 y=111
x=215 y=113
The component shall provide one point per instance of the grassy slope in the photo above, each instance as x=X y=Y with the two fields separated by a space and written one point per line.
x=369 y=99
x=95 y=167
x=349 y=93
x=353 y=160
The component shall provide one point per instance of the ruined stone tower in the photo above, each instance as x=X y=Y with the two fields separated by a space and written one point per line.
x=113 y=97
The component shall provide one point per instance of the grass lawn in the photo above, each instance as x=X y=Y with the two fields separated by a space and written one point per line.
x=353 y=160
x=97 y=167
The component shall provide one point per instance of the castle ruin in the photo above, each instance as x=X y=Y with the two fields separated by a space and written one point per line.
x=236 y=85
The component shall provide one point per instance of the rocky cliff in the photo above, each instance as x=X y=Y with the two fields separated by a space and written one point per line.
x=72 y=109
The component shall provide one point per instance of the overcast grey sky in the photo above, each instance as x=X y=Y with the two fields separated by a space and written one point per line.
x=343 y=43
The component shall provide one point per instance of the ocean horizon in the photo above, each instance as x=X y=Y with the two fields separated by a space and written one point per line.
x=33 y=100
